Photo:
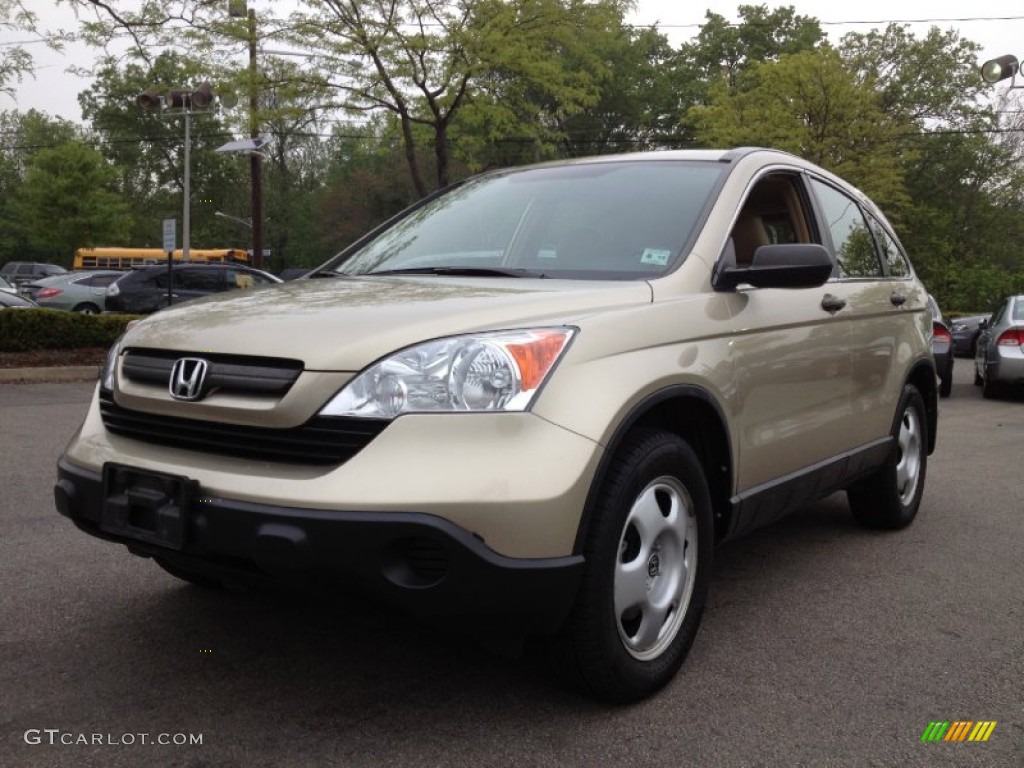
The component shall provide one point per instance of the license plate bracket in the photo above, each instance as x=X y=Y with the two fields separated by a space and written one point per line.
x=146 y=506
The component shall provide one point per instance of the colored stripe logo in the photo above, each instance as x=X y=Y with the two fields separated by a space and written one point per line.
x=959 y=730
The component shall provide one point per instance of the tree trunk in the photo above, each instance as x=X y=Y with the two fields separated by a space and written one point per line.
x=410 y=156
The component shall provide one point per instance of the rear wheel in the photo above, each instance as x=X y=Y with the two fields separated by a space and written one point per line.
x=889 y=498
x=991 y=389
x=87 y=309
x=946 y=384
x=648 y=564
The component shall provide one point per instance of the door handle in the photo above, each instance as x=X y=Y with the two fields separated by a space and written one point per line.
x=898 y=299
x=832 y=304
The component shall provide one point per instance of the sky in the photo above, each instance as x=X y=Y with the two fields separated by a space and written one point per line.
x=997 y=25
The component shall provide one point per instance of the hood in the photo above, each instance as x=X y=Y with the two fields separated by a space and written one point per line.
x=345 y=323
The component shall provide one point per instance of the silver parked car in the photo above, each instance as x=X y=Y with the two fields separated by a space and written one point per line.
x=76 y=291
x=999 y=361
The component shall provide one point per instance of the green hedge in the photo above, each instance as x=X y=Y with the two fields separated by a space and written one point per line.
x=25 y=330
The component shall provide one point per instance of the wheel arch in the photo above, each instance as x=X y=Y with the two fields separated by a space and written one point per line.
x=692 y=413
x=922 y=377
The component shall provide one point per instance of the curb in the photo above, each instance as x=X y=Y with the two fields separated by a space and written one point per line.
x=40 y=375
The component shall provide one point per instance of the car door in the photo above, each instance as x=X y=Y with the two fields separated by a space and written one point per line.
x=96 y=285
x=791 y=357
x=877 y=291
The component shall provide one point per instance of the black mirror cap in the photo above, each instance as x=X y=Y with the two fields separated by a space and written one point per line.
x=787 y=265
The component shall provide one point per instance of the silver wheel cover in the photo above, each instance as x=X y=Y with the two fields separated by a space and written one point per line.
x=908 y=462
x=656 y=568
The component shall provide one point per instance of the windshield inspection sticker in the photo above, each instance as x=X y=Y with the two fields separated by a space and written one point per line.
x=655 y=256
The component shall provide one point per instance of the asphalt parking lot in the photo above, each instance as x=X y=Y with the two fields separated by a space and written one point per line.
x=823 y=644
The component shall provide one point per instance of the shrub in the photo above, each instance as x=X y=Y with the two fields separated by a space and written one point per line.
x=25 y=330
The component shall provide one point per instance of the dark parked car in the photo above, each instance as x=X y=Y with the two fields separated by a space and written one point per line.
x=942 y=348
x=19 y=272
x=965 y=334
x=999 y=362
x=144 y=289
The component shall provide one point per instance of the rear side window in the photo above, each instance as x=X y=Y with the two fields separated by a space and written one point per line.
x=892 y=255
x=240 y=278
x=98 y=281
x=152 y=280
x=854 y=246
x=209 y=280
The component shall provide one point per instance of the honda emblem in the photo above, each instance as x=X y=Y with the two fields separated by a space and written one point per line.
x=187 y=378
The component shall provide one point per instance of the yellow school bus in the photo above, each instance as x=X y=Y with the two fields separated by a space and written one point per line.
x=126 y=258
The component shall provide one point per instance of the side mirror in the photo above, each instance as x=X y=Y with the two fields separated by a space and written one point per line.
x=982 y=325
x=788 y=265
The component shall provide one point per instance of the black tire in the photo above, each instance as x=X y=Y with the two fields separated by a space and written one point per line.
x=991 y=389
x=889 y=498
x=86 y=308
x=200 y=580
x=946 y=385
x=608 y=650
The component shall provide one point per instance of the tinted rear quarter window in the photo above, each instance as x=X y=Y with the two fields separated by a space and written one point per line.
x=854 y=245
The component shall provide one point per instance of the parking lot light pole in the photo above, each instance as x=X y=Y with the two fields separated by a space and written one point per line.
x=185 y=103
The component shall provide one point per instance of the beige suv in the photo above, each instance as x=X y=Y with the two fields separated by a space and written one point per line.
x=532 y=403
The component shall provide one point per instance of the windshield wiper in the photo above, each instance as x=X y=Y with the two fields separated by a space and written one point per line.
x=462 y=271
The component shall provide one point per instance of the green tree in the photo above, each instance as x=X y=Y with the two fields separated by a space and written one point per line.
x=963 y=179
x=22 y=135
x=67 y=202
x=422 y=62
x=722 y=52
x=927 y=80
x=15 y=61
x=811 y=105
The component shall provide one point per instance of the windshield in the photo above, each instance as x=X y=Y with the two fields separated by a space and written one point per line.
x=599 y=220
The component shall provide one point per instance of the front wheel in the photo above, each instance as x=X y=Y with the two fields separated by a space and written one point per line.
x=648 y=566
x=87 y=308
x=889 y=498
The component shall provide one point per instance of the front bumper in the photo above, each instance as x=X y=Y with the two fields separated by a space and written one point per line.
x=421 y=563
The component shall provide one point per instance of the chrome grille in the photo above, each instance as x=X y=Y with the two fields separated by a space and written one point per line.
x=235 y=374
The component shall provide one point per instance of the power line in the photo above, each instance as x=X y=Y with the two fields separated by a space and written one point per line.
x=852 y=22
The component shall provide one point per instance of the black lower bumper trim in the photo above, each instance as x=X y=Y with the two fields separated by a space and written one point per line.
x=421 y=563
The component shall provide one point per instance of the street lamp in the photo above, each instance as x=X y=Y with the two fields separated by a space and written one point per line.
x=1001 y=68
x=229 y=217
x=186 y=103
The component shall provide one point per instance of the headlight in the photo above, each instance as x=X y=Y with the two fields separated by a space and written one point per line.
x=499 y=371
x=107 y=375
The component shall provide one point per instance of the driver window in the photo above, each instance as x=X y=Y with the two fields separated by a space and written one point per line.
x=772 y=213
